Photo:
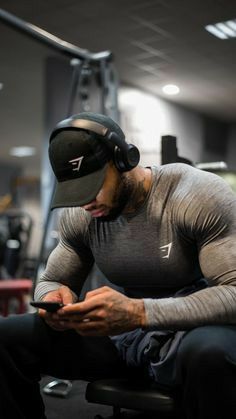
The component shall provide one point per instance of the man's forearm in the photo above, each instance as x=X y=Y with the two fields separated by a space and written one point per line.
x=215 y=305
x=44 y=287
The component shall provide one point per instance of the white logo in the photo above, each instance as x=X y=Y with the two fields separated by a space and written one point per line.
x=166 y=250
x=76 y=163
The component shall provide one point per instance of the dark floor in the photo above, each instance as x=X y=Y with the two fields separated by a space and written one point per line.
x=74 y=406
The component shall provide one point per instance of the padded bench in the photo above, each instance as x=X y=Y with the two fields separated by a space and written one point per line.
x=132 y=394
x=14 y=288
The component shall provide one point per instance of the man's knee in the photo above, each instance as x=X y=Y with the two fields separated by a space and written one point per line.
x=207 y=349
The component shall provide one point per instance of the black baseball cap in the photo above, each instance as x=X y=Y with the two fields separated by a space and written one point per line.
x=79 y=159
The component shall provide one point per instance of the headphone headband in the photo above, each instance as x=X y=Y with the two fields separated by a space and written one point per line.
x=82 y=124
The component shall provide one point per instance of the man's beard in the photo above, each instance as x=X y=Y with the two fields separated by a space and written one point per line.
x=121 y=198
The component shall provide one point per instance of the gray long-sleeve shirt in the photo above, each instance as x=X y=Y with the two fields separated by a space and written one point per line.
x=185 y=230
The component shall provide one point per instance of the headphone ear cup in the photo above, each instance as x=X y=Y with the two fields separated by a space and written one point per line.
x=132 y=156
x=125 y=156
x=118 y=159
x=128 y=159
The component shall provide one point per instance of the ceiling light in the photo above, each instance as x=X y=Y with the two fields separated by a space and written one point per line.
x=23 y=151
x=170 y=89
x=1 y=86
x=223 y=30
x=231 y=24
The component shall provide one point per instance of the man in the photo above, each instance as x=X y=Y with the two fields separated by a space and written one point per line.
x=167 y=236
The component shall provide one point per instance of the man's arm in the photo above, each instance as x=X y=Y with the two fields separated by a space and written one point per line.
x=67 y=267
x=210 y=222
x=64 y=267
x=70 y=262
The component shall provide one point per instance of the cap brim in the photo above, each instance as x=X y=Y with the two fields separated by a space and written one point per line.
x=80 y=191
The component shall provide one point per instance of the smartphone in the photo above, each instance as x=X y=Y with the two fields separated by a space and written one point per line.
x=50 y=306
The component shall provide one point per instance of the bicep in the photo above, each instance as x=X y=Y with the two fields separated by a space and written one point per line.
x=218 y=260
x=69 y=266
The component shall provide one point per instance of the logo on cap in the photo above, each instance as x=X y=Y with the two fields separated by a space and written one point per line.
x=76 y=163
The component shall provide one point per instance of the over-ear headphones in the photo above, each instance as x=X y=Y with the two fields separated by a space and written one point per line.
x=125 y=156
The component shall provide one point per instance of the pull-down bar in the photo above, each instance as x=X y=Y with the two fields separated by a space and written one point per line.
x=53 y=41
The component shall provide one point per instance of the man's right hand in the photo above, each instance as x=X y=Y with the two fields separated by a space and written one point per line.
x=61 y=295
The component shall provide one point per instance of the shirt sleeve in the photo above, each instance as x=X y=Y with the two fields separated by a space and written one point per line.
x=71 y=260
x=209 y=222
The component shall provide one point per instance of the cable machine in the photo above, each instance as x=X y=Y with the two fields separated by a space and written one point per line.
x=89 y=68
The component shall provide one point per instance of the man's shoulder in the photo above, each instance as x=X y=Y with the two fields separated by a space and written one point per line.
x=184 y=182
x=176 y=174
x=188 y=174
x=174 y=169
x=76 y=219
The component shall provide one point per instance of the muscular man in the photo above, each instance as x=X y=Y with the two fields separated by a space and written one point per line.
x=166 y=235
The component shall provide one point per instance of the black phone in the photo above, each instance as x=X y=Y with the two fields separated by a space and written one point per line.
x=50 y=306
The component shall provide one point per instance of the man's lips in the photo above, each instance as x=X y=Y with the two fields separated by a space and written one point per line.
x=98 y=212
x=101 y=211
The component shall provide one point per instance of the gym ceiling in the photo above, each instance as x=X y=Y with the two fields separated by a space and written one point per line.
x=154 y=42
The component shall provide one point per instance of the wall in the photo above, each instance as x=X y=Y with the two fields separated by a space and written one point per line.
x=200 y=138
x=145 y=118
x=231 y=150
x=8 y=174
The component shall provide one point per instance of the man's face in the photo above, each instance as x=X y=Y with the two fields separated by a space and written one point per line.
x=112 y=197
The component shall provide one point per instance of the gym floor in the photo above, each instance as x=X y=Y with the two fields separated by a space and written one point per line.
x=75 y=406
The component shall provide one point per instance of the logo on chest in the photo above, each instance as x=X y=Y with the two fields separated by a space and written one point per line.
x=165 y=250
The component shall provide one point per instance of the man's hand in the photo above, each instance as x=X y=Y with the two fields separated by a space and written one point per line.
x=61 y=295
x=104 y=312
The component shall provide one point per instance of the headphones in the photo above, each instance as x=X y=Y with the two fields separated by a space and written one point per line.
x=125 y=156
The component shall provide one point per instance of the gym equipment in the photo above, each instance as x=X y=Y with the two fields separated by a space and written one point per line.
x=169 y=151
x=15 y=234
x=88 y=67
x=16 y=289
x=134 y=394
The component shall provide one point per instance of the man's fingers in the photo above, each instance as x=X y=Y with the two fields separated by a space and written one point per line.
x=41 y=312
x=89 y=328
x=96 y=291
x=81 y=308
x=66 y=295
x=93 y=315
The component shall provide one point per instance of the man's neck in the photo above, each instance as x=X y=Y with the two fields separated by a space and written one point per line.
x=141 y=179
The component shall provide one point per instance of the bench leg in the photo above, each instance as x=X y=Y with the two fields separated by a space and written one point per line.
x=117 y=414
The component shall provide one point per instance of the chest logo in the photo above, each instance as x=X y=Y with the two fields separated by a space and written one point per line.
x=166 y=250
x=76 y=163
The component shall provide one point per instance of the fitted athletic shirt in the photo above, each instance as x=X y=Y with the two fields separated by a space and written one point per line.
x=185 y=230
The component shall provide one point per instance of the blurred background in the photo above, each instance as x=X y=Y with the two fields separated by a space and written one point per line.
x=164 y=69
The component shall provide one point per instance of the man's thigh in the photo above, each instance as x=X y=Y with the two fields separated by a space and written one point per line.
x=74 y=356
x=61 y=354
x=208 y=339
x=206 y=349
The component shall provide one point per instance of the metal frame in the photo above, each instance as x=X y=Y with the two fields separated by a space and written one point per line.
x=99 y=63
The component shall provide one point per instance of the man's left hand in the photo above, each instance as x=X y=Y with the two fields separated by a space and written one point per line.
x=103 y=312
